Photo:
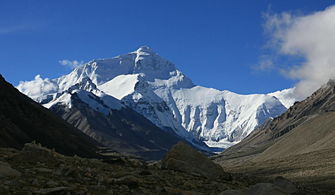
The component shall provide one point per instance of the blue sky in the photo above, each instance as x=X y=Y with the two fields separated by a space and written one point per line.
x=215 y=43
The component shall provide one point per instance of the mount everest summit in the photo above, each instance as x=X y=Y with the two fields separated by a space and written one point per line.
x=155 y=88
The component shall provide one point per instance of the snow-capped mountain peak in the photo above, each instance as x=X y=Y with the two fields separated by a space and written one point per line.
x=146 y=50
x=155 y=88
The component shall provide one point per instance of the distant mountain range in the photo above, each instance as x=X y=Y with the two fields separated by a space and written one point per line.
x=155 y=88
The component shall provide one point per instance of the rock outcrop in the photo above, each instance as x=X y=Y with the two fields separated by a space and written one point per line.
x=182 y=157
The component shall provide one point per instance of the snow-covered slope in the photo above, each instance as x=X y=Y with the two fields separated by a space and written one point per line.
x=222 y=118
x=88 y=93
x=154 y=88
x=121 y=85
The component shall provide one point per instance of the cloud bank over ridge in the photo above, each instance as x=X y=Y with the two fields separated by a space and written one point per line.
x=311 y=37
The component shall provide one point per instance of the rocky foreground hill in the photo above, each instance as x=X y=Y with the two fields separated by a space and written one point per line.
x=38 y=170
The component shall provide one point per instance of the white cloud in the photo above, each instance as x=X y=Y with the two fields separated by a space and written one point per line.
x=37 y=87
x=71 y=64
x=309 y=36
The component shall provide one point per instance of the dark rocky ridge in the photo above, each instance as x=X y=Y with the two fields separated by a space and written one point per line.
x=22 y=120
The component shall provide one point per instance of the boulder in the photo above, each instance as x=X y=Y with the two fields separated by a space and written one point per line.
x=182 y=157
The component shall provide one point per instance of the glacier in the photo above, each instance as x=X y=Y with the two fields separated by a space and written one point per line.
x=155 y=88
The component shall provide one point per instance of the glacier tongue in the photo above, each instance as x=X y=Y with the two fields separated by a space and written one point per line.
x=154 y=87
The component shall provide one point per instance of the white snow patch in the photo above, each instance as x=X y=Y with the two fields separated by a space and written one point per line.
x=64 y=99
x=120 y=86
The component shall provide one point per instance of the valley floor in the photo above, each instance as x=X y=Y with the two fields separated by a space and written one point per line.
x=313 y=172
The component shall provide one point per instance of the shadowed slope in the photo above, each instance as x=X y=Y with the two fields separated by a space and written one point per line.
x=22 y=120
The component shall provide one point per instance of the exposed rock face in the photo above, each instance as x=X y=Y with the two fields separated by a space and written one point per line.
x=182 y=157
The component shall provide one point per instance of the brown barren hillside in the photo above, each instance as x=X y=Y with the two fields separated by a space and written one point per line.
x=299 y=144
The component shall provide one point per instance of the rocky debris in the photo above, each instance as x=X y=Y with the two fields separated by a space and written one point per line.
x=265 y=189
x=52 y=190
x=33 y=152
x=182 y=157
x=281 y=186
x=232 y=192
x=7 y=171
x=58 y=174
x=39 y=170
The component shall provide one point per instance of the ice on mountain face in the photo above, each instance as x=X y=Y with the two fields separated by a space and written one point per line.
x=102 y=104
x=153 y=87
x=220 y=118
x=64 y=99
x=84 y=89
x=86 y=84
x=151 y=66
x=120 y=86
x=146 y=102
x=177 y=80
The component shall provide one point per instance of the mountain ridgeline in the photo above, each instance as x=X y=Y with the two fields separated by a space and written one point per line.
x=153 y=87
